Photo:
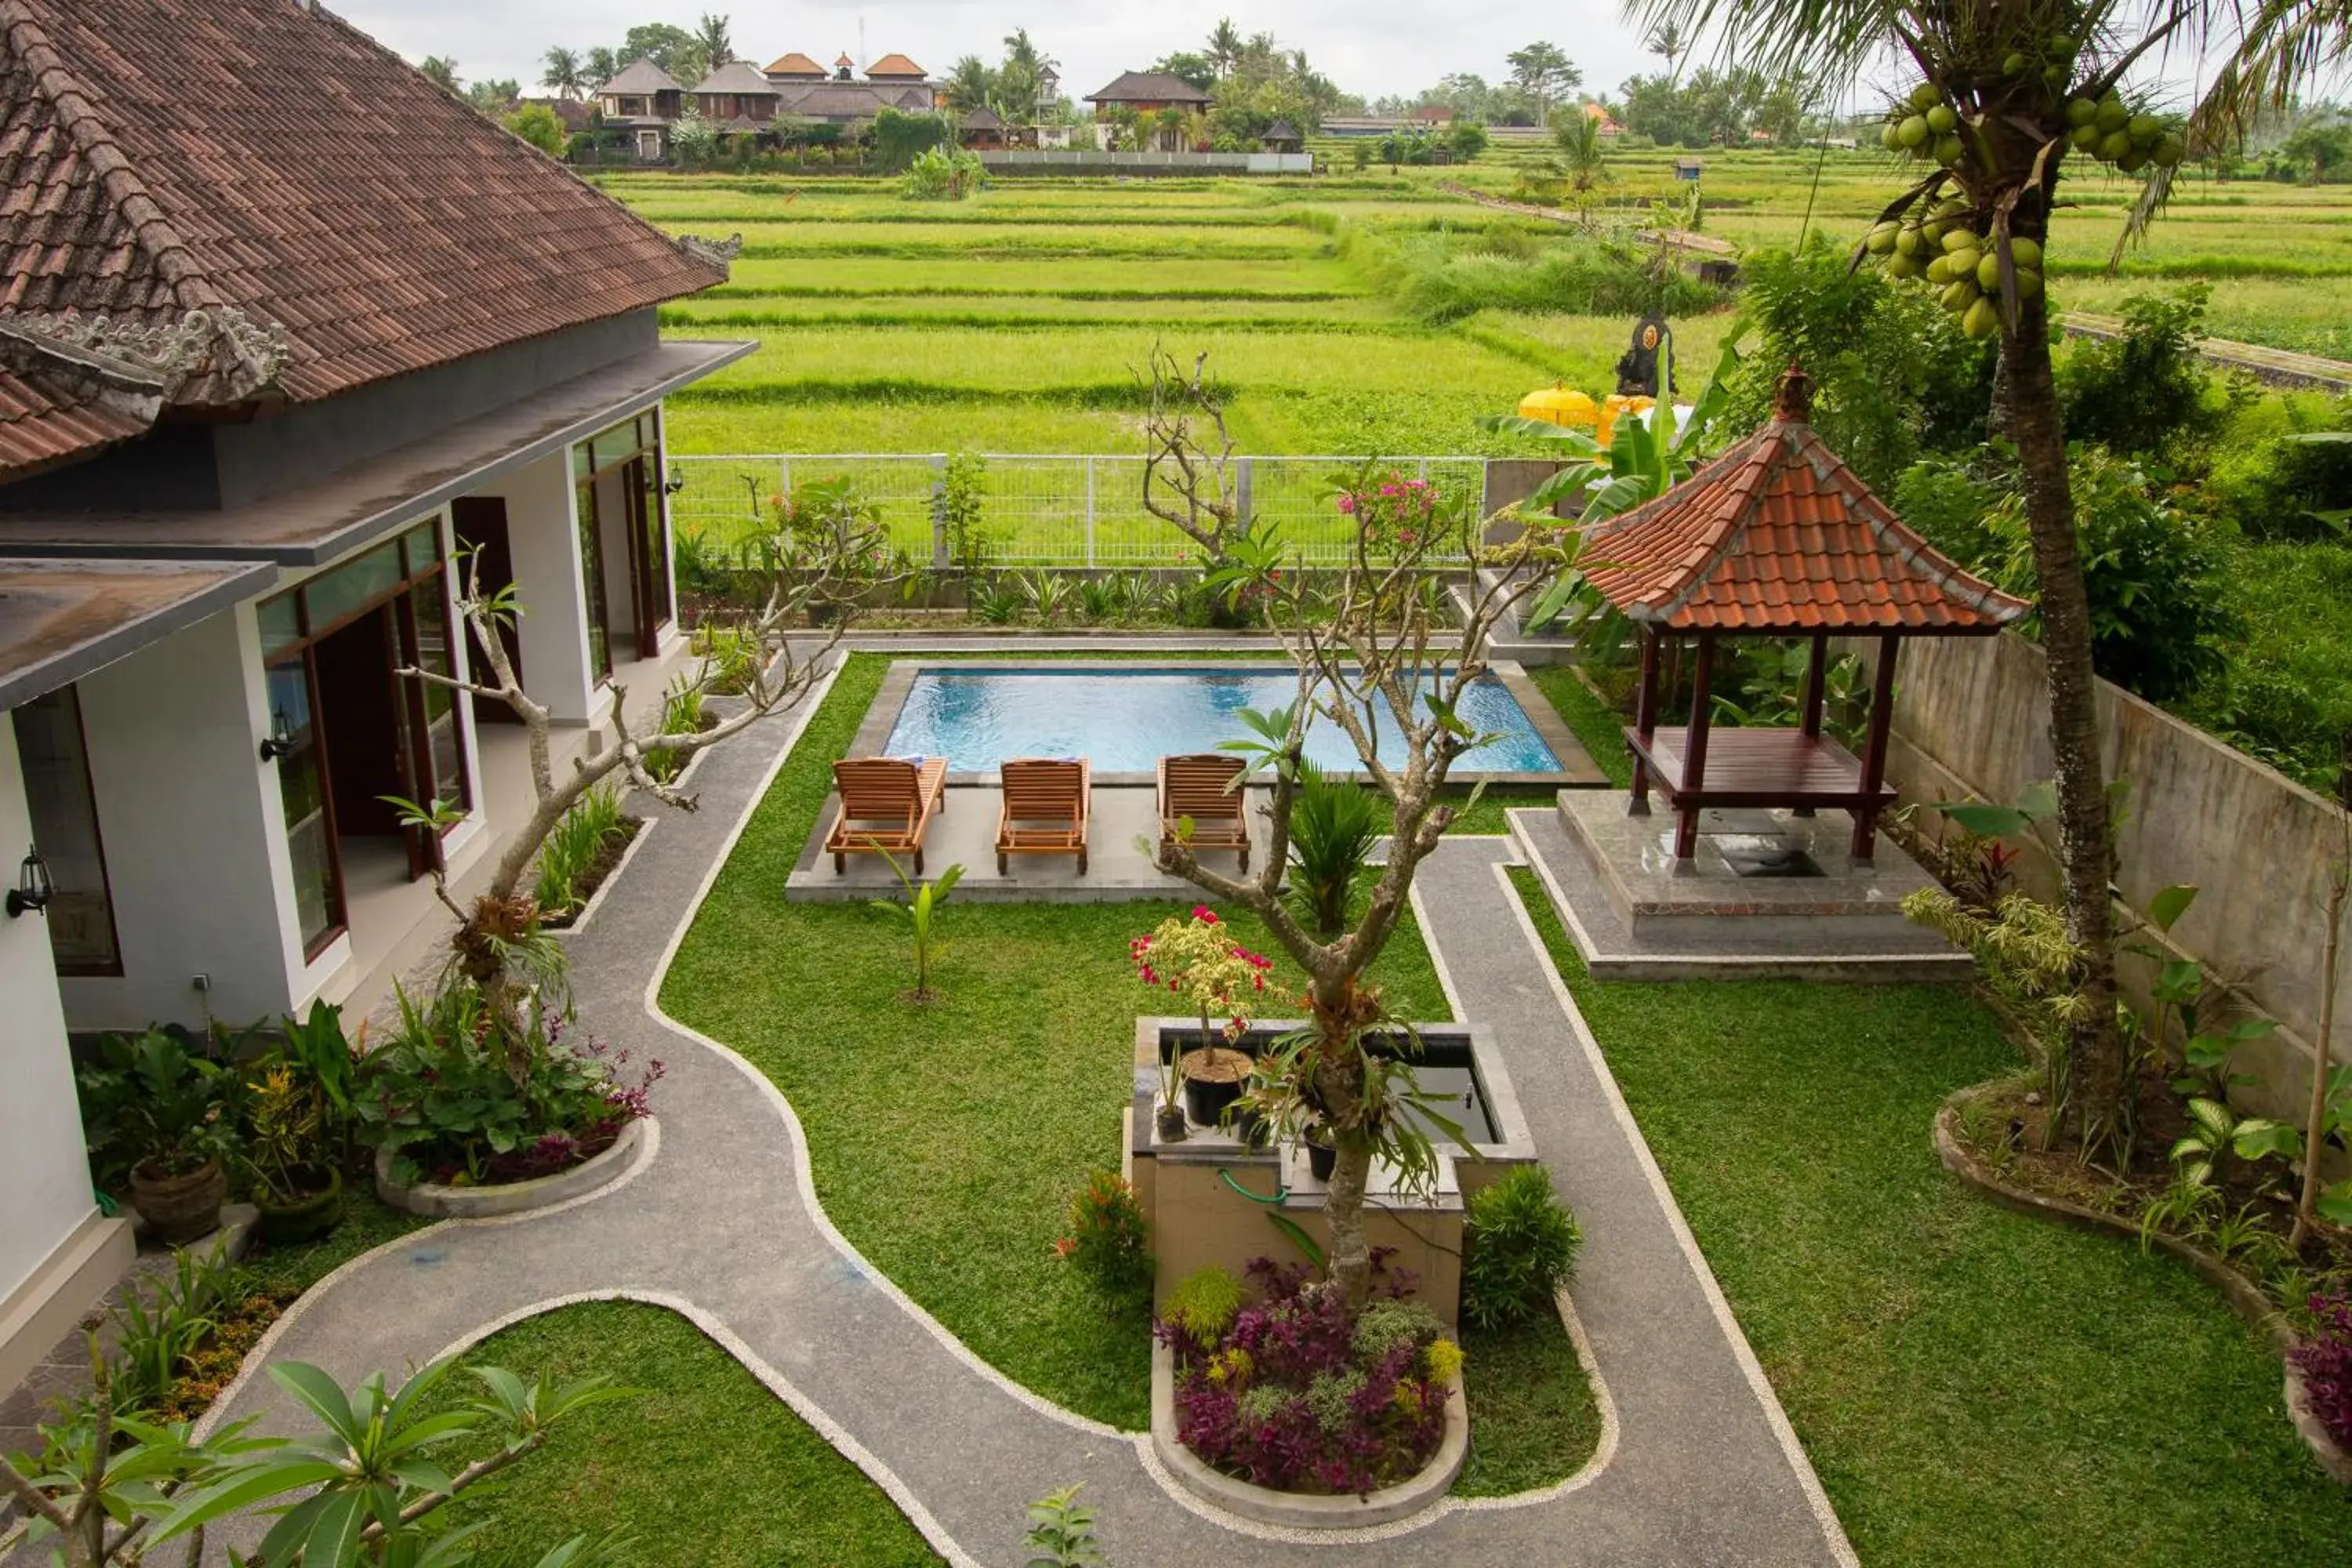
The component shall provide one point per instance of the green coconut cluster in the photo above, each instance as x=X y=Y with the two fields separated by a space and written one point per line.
x=1942 y=243
x=2108 y=129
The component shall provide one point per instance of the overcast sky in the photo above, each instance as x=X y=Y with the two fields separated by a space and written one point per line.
x=1370 y=46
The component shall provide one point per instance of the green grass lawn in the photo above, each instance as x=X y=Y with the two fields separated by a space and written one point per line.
x=1974 y=1385
x=704 y=1468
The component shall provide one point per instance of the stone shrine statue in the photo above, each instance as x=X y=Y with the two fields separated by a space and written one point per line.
x=1637 y=368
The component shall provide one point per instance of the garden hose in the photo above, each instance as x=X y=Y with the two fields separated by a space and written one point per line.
x=1280 y=1193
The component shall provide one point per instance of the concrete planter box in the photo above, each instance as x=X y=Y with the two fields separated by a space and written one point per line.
x=1304 y=1511
x=510 y=1197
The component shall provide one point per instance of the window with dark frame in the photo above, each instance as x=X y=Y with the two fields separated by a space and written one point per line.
x=401 y=579
x=53 y=755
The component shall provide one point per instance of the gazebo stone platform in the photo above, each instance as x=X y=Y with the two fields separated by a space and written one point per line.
x=1765 y=892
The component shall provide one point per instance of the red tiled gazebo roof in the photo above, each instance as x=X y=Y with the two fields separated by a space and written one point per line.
x=1779 y=535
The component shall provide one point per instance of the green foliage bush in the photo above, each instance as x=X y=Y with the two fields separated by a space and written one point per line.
x=2145 y=389
x=941 y=174
x=1521 y=1246
x=1440 y=277
x=1107 y=1242
x=898 y=138
x=1894 y=376
x=2271 y=480
x=1204 y=1304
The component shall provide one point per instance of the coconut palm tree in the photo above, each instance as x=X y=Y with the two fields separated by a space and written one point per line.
x=1582 y=151
x=970 y=84
x=712 y=34
x=1668 y=40
x=1225 y=47
x=443 y=69
x=562 y=74
x=2002 y=92
x=599 y=66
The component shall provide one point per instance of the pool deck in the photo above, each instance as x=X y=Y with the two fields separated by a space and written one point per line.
x=1577 y=768
x=1118 y=867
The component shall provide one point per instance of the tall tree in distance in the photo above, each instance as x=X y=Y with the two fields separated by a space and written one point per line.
x=2004 y=95
x=1543 y=71
x=1224 y=46
x=712 y=34
x=669 y=45
x=442 y=70
x=599 y=66
x=561 y=73
x=970 y=83
x=1667 y=41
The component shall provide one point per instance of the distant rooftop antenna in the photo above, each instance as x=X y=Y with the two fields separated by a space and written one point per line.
x=864 y=60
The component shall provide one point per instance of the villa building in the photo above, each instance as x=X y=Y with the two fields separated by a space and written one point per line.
x=269 y=382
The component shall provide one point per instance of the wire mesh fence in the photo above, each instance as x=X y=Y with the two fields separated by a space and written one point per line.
x=1075 y=510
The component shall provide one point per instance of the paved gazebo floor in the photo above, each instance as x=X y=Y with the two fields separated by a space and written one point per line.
x=718 y=1220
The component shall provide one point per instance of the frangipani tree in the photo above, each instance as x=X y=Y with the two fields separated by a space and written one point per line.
x=1372 y=653
x=2007 y=96
x=808 y=577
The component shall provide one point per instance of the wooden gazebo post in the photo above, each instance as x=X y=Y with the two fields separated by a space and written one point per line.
x=1874 y=746
x=1816 y=697
x=1646 y=722
x=1695 y=746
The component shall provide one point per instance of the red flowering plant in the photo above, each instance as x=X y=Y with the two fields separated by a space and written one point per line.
x=1301 y=1391
x=1197 y=959
x=1394 y=515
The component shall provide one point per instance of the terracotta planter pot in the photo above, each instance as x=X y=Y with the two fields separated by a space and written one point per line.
x=179 y=1209
x=1213 y=1081
x=284 y=1225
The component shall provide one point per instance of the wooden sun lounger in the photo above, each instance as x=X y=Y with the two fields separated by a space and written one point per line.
x=1046 y=803
x=1202 y=787
x=887 y=804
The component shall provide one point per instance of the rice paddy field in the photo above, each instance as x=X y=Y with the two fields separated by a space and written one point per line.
x=1019 y=321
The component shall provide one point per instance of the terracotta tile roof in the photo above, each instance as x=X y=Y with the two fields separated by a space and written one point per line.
x=894 y=67
x=41 y=425
x=1778 y=534
x=159 y=156
x=794 y=64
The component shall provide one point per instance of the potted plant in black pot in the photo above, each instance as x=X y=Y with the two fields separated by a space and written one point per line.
x=1198 y=960
x=160 y=1111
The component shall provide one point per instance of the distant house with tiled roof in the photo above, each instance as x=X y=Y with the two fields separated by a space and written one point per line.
x=641 y=101
x=896 y=68
x=1145 y=94
x=794 y=66
x=262 y=374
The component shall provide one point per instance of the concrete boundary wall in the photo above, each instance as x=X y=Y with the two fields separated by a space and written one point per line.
x=1971 y=717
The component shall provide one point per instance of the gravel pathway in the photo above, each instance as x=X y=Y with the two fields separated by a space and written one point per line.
x=718 y=1220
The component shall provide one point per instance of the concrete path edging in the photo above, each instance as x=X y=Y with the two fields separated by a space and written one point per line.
x=442 y=1201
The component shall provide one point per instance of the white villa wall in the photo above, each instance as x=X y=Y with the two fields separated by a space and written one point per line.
x=543 y=529
x=42 y=1169
x=195 y=841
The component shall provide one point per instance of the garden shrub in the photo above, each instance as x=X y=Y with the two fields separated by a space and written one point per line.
x=439 y=1093
x=1894 y=376
x=2140 y=391
x=1440 y=277
x=2157 y=610
x=1107 y=1243
x=1520 y=1248
x=1303 y=1395
x=2324 y=1356
x=1203 y=1305
x=1949 y=501
x=2276 y=484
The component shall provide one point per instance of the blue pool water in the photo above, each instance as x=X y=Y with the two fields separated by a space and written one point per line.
x=1125 y=721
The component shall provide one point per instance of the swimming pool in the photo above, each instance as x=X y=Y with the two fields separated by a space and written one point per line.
x=1125 y=720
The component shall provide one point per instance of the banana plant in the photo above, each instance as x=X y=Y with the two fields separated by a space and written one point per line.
x=1645 y=458
x=921 y=911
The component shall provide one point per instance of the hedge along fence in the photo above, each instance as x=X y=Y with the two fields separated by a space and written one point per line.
x=1972 y=717
x=1076 y=511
